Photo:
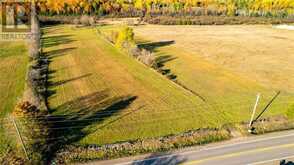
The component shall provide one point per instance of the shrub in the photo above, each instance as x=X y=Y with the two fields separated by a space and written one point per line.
x=76 y=21
x=36 y=81
x=147 y=58
x=84 y=20
x=32 y=94
x=87 y=20
x=135 y=52
x=92 y=21
x=212 y=10
x=199 y=11
x=125 y=35
x=34 y=48
x=35 y=42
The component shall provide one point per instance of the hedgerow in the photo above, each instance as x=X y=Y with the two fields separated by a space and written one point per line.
x=123 y=39
x=31 y=111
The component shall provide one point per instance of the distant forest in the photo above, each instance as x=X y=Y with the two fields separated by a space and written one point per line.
x=127 y=8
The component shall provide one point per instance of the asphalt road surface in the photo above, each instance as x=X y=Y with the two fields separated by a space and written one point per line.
x=265 y=149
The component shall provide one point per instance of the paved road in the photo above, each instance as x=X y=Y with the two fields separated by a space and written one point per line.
x=266 y=149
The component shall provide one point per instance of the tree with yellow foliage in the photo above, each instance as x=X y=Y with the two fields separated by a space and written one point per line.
x=258 y=7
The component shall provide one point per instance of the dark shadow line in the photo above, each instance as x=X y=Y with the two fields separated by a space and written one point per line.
x=192 y=91
x=121 y=117
x=57 y=36
x=58 y=52
x=69 y=80
x=56 y=40
x=91 y=105
x=151 y=46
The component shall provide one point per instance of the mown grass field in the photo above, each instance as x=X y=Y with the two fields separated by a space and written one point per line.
x=228 y=65
x=119 y=98
x=13 y=66
x=105 y=96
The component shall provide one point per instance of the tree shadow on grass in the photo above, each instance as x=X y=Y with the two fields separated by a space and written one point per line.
x=152 y=46
x=58 y=52
x=62 y=82
x=161 y=159
x=161 y=61
x=51 y=84
x=56 y=40
x=51 y=41
x=81 y=113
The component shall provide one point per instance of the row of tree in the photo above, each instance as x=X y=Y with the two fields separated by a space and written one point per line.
x=227 y=7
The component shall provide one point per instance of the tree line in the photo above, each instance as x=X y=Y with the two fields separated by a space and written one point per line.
x=164 y=7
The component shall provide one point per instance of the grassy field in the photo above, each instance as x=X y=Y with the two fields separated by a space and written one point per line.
x=105 y=96
x=228 y=65
x=111 y=97
x=13 y=65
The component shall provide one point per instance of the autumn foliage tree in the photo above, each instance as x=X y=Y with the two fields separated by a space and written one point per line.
x=125 y=37
x=133 y=7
